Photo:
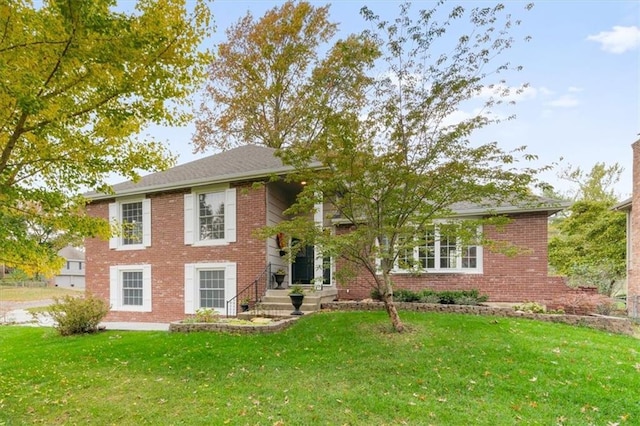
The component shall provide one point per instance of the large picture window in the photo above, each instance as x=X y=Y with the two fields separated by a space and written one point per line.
x=441 y=248
x=210 y=217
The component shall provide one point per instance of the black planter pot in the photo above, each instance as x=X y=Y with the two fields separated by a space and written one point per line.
x=296 y=301
x=279 y=278
x=244 y=307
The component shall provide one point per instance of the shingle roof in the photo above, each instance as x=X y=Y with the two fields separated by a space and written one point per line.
x=251 y=161
x=236 y=164
x=71 y=253
x=536 y=203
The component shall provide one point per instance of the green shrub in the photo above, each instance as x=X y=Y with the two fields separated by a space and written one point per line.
x=403 y=295
x=78 y=315
x=467 y=300
x=532 y=307
x=453 y=297
x=375 y=294
x=207 y=315
x=448 y=297
x=429 y=297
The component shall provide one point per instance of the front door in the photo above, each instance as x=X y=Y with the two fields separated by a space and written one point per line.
x=303 y=270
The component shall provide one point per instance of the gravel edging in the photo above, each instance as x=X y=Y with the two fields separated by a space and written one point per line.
x=609 y=324
x=222 y=327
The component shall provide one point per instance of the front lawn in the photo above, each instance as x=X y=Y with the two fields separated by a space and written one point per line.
x=10 y=293
x=328 y=368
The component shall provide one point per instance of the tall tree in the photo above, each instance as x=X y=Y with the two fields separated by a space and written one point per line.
x=394 y=157
x=79 y=81
x=589 y=245
x=598 y=184
x=269 y=85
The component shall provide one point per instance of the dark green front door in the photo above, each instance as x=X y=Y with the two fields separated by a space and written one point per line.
x=302 y=268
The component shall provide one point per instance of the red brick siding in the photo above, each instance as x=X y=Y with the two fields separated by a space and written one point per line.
x=517 y=278
x=168 y=254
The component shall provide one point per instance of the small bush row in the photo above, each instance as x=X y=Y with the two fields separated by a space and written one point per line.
x=449 y=297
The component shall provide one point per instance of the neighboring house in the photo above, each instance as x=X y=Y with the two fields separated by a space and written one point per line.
x=188 y=241
x=72 y=274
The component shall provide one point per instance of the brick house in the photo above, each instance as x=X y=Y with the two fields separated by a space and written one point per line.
x=633 y=236
x=188 y=241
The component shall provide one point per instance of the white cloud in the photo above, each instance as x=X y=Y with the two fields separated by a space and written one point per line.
x=564 y=101
x=459 y=116
x=619 y=40
x=546 y=91
x=574 y=89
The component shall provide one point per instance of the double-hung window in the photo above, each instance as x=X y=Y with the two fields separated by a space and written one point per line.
x=130 y=288
x=210 y=216
x=441 y=248
x=209 y=285
x=133 y=221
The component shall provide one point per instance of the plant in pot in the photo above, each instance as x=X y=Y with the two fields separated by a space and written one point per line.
x=296 y=294
x=244 y=304
x=278 y=276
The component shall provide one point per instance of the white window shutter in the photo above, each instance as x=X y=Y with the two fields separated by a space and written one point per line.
x=114 y=290
x=230 y=285
x=188 y=219
x=146 y=222
x=230 y=215
x=189 y=289
x=113 y=219
x=146 y=288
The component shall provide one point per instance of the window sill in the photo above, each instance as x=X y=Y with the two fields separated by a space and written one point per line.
x=131 y=247
x=210 y=243
x=440 y=271
x=131 y=309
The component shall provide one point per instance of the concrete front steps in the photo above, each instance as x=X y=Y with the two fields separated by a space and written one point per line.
x=277 y=302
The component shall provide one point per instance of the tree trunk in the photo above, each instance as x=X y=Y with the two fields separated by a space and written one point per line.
x=389 y=304
x=390 y=307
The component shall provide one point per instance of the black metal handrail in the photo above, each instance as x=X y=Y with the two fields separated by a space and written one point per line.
x=249 y=293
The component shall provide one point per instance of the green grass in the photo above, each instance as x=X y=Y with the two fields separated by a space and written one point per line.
x=329 y=368
x=27 y=294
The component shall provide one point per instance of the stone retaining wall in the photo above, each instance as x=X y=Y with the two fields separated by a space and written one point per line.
x=608 y=324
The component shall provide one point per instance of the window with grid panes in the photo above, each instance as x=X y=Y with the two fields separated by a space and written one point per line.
x=211 y=288
x=131 y=215
x=132 y=288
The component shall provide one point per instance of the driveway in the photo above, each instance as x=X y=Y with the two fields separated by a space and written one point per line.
x=16 y=313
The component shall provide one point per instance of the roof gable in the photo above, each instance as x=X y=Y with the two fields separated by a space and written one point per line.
x=248 y=161
x=71 y=253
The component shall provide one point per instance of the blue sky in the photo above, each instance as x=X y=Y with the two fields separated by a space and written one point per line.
x=582 y=65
